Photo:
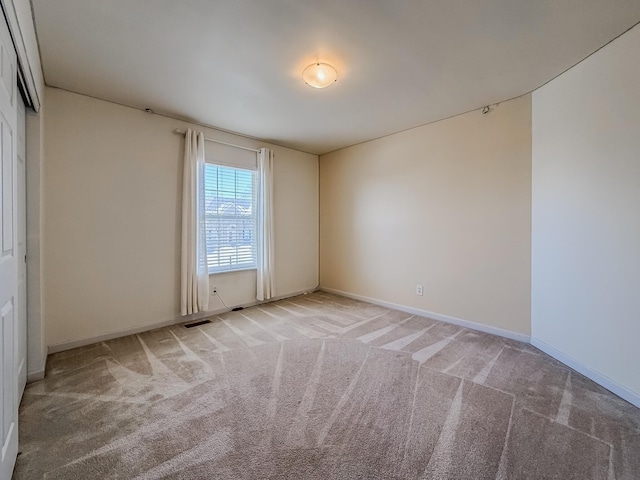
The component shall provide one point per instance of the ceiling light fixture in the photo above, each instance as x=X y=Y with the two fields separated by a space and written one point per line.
x=319 y=75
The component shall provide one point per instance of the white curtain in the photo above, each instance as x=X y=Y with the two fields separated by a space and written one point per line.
x=195 y=275
x=266 y=284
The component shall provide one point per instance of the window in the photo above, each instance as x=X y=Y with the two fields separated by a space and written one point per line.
x=230 y=218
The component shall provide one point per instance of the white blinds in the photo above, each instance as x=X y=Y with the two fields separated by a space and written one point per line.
x=229 y=156
x=230 y=217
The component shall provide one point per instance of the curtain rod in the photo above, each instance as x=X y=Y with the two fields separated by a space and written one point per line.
x=182 y=132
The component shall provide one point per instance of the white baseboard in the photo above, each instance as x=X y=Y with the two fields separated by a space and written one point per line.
x=35 y=375
x=520 y=337
x=61 y=347
x=38 y=374
x=611 y=385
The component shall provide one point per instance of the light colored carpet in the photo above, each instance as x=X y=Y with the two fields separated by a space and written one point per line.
x=321 y=387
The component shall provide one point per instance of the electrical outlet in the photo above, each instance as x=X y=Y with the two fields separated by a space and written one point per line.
x=419 y=290
x=214 y=290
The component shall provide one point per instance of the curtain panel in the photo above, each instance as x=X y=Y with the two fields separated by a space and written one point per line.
x=265 y=273
x=194 y=295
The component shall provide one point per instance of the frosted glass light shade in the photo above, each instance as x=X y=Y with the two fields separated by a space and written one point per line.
x=319 y=75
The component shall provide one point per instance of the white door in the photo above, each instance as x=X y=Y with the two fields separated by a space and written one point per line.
x=21 y=236
x=8 y=257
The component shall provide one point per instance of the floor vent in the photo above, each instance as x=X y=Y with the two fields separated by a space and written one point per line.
x=196 y=324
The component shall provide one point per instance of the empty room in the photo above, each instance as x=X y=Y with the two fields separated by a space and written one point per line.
x=339 y=239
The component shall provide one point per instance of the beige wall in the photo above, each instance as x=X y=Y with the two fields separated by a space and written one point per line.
x=586 y=216
x=112 y=223
x=446 y=205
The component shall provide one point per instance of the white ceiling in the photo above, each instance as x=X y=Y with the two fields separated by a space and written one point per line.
x=237 y=64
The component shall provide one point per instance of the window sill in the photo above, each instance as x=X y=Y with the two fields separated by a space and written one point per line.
x=233 y=270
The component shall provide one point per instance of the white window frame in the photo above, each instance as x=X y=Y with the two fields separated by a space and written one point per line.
x=213 y=270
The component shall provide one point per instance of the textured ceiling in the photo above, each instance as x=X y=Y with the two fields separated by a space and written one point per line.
x=237 y=65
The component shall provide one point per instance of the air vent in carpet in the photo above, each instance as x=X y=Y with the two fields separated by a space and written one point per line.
x=196 y=324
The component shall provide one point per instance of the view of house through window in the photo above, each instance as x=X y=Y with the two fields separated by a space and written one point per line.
x=230 y=217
